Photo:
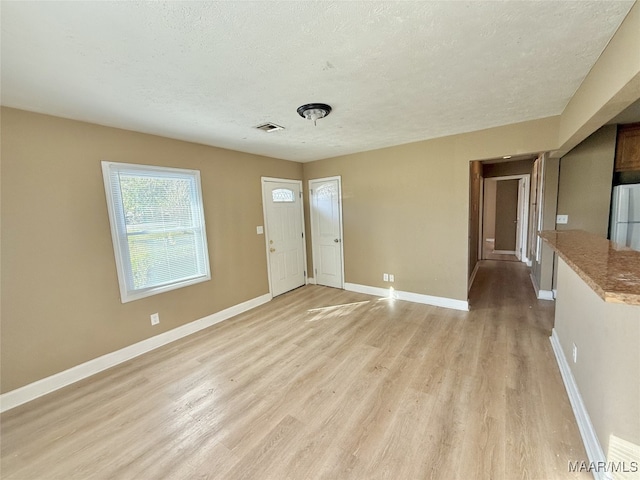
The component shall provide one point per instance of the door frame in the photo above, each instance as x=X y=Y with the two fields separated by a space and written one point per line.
x=539 y=220
x=263 y=181
x=522 y=222
x=480 y=245
x=525 y=214
x=341 y=226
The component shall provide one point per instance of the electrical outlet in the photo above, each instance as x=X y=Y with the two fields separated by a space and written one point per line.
x=575 y=353
x=562 y=219
x=392 y=278
x=385 y=277
x=155 y=319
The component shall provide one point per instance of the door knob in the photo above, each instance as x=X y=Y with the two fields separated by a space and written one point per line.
x=337 y=240
x=272 y=249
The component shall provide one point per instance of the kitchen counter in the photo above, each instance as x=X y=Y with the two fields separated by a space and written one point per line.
x=595 y=338
x=612 y=271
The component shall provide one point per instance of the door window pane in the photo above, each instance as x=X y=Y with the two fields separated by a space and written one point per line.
x=283 y=195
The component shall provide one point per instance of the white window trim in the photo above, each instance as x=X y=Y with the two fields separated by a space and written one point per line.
x=118 y=231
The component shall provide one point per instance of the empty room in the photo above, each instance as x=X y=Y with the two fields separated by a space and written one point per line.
x=320 y=240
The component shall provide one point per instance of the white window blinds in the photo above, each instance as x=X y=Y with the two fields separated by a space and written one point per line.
x=157 y=227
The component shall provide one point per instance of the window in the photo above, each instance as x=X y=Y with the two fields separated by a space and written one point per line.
x=157 y=228
x=327 y=191
x=280 y=195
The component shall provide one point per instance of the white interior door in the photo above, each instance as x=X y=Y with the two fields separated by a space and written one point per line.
x=523 y=219
x=284 y=234
x=326 y=231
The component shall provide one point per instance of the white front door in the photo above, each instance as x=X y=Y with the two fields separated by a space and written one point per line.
x=326 y=231
x=284 y=234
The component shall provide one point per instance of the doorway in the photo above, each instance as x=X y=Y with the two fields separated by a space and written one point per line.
x=505 y=218
x=325 y=207
x=284 y=234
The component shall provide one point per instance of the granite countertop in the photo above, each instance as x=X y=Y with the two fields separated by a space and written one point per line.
x=611 y=270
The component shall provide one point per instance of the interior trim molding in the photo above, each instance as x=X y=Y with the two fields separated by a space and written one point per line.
x=311 y=281
x=473 y=275
x=546 y=295
x=409 y=296
x=541 y=294
x=588 y=433
x=59 y=380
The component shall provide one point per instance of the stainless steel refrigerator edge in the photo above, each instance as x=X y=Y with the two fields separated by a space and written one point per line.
x=625 y=216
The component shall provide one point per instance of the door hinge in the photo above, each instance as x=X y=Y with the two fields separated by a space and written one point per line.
x=316 y=270
x=311 y=191
x=300 y=193
x=302 y=234
x=305 y=273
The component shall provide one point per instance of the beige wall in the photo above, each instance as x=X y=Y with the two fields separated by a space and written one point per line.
x=60 y=299
x=406 y=208
x=607 y=371
x=586 y=174
x=404 y=212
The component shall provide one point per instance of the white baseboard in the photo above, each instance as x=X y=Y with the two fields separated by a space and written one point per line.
x=409 y=296
x=311 y=281
x=504 y=252
x=588 y=433
x=528 y=262
x=46 y=385
x=541 y=294
x=546 y=295
x=376 y=291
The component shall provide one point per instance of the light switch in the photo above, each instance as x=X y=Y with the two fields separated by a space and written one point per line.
x=562 y=219
x=259 y=230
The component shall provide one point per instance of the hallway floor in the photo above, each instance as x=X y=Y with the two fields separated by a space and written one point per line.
x=488 y=253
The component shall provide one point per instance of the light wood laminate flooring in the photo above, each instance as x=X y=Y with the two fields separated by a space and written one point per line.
x=322 y=384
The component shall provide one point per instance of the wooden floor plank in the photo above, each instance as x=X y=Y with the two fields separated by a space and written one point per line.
x=321 y=383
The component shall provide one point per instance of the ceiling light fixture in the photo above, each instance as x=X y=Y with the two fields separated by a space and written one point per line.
x=314 y=111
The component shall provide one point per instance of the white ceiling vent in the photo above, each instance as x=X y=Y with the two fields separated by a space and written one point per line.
x=269 y=127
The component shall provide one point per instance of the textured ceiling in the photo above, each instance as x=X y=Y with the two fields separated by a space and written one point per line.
x=394 y=72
